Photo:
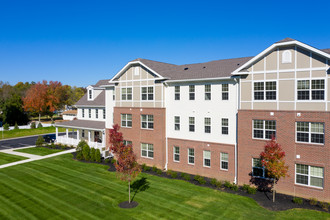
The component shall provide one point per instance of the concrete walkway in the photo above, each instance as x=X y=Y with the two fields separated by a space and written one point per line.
x=32 y=157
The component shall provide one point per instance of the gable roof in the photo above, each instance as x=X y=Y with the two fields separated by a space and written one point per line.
x=326 y=50
x=101 y=82
x=98 y=101
x=285 y=40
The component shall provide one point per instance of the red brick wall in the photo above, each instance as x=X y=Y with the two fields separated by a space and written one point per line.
x=215 y=148
x=310 y=154
x=138 y=135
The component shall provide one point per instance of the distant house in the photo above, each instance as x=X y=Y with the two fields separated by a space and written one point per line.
x=69 y=115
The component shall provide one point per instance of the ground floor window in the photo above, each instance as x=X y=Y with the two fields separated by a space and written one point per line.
x=176 y=154
x=309 y=175
x=207 y=158
x=191 y=155
x=224 y=161
x=147 y=150
x=257 y=169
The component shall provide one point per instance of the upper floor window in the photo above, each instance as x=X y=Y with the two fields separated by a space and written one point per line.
x=207 y=125
x=176 y=154
x=224 y=161
x=225 y=91
x=207 y=158
x=264 y=129
x=104 y=113
x=286 y=56
x=126 y=93
x=310 y=132
x=310 y=89
x=177 y=123
x=147 y=121
x=309 y=175
x=90 y=94
x=96 y=113
x=207 y=92
x=147 y=150
x=177 y=92
x=224 y=126
x=89 y=113
x=265 y=90
x=126 y=120
x=192 y=124
x=147 y=93
x=83 y=113
x=191 y=92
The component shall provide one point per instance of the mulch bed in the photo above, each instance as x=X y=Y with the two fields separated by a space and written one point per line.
x=57 y=147
x=264 y=199
x=127 y=205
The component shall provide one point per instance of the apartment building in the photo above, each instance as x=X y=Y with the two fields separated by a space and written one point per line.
x=214 y=118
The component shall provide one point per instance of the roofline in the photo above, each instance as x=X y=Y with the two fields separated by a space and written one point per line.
x=199 y=79
x=135 y=62
x=90 y=106
x=68 y=126
x=295 y=42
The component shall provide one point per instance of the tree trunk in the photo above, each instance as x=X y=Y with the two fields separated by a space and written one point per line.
x=274 y=192
x=129 y=191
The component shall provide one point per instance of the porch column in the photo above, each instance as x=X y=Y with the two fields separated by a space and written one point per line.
x=78 y=134
x=103 y=138
x=56 y=132
x=67 y=133
x=89 y=136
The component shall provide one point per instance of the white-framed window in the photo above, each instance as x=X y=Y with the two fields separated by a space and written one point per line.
x=126 y=93
x=83 y=112
x=125 y=142
x=191 y=156
x=89 y=113
x=207 y=125
x=90 y=94
x=147 y=150
x=310 y=89
x=224 y=126
x=147 y=93
x=191 y=124
x=147 y=121
x=177 y=123
x=224 y=161
x=191 y=92
x=177 y=93
x=310 y=132
x=309 y=175
x=83 y=133
x=257 y=169
x=207 y=92
x=286 y=56
x=176 y=154
x=265 y=90
x=207 y=158
x=225 y=91
x=136 y=71
x=126 y=120
x=96 y=113
x=104 y=113
x=264 y=129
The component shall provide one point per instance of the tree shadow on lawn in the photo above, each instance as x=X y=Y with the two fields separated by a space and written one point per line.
x=140 y=185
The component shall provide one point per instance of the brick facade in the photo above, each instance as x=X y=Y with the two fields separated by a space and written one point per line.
x=310 y=154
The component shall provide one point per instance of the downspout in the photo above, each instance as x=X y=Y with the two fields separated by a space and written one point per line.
x=166 y=163
x=166 y=154
x=237 y=107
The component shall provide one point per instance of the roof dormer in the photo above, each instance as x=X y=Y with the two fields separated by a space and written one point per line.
x=90 y=93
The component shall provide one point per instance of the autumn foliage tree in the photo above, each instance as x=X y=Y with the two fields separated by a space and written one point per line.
x=272 y=158
x=127 y=167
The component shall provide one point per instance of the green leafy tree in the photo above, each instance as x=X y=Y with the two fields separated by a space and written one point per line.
x=12 y=110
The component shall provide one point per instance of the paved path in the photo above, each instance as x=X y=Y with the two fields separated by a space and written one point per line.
x=31 y=157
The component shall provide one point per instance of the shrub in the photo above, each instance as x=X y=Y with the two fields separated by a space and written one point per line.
x=33 y=125
x=5 y=126
x=63 y=147
x=218 y=184
x=252 y=190
x=79 y=149
x=143 y=166
x=313 y=201
x=234 y=187
x=86 y=152
x=227 y=184
x=107 y=160
x=40 y=125
x=159 y=171
x=325 y=205
x=297 y=200
x=154 y=169
x=92 y=154
x=169 y=172
x=98 y=155
x=245 y=187
x=213 y=181
x=40 y=141
x=174 y=174
x=113 y=161
x=16 y=126
x=185 y=176
x=200 y=179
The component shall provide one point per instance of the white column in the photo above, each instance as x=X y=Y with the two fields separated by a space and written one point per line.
x=89 y=136
x=67 y=132
x=103 y=138
x=56 y=132
x=78 y=135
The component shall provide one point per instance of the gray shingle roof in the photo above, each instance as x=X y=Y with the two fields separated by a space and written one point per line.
x=326 y=50
x=98 y=101
x=285 y=40
x=82 y=124
x=101 y=83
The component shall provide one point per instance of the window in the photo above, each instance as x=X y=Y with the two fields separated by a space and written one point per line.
x=191 y=155
x=309 y=175
x=286 y=56
x=260 y=89
x=224 y=161
x=147 y=121
x=126 y=120
x=147 y=93
x=127 y=142
x=257 y=169
x=104 y=113
x=192 y=124
x=176 y=154
x=89 y=113
x=263 y=129
x=207 y=158
x=224 y=125
x=83 y=113
x=225 y=91
x=90 y=94
x=207 y=92
x=191 y=92
x=96 y=113
x=82 y=133
x=126 y=93
x=177 y=93
x=147 y=150
x=207 y=125
x=310 y=132
x=136 y=71
x=307 y=92
x=177 y=123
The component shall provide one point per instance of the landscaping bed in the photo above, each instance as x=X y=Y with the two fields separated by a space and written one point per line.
x=9 y=158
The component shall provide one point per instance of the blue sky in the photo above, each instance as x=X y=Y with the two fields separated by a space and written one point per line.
x=80 y=42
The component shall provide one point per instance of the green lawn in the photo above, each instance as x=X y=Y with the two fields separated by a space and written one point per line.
x=42 y=151
x=28 y=132
x=62 y=188
x=9 y=158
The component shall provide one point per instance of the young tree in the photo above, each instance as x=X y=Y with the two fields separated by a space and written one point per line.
x=127 y=167
x=272 y=158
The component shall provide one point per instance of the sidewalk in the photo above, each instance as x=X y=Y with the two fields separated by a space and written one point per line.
x=32 y=157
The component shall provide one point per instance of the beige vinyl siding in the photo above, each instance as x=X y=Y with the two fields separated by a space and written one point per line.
x=303 y=74
x=303 y=58
x=318 y=73
x=246 y=105
x=288 y=75
x=265 y=105
x=246 y=88
x=286 y=106
x=286 y=90
x=285 y=66
x=258 y=76
x=259 y=66
x=318 y=61
x=271 y=63
x=271 y=76
x=310 y=106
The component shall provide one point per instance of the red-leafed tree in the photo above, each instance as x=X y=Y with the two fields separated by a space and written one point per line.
x=55 y=97
x=272 y=158
x=127 y=167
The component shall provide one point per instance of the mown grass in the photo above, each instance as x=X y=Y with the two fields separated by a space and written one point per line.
x=42 y=151
x=27 y=132
x=9 y=158
x=61 y=188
